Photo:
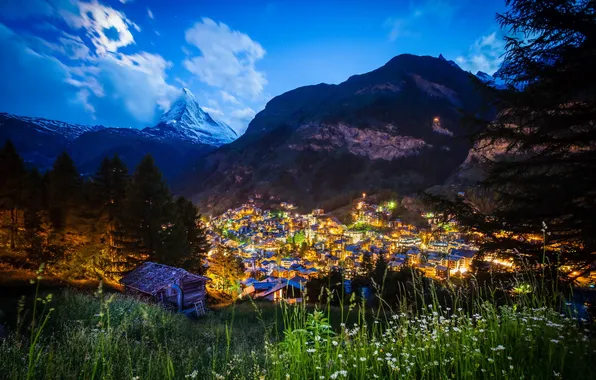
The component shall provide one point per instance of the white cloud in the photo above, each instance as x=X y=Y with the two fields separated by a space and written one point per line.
x=245 y=114
x=150 y=14
x=98 y=20
x=398 y=28
x=227 y=98
x=485 y=54
x=406 y=25
x=181 y=82
x=214 y=112
x=82 y=97
x=227 y=59
x=139 y=82
x=74 y=47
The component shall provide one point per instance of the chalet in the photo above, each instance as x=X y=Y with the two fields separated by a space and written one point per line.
x=172 y=287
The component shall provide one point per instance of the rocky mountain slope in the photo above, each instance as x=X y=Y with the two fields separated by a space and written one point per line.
x=397 y=127
x=184 y=134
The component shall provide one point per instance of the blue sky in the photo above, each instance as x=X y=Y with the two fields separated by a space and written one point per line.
x=123 y=62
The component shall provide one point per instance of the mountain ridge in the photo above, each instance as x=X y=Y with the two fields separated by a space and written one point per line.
x=396 y=127
x=41 y=140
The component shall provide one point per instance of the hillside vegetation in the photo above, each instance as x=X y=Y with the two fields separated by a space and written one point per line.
x=77 y=335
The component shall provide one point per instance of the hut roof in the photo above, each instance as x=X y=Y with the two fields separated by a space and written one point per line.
x=151 y=277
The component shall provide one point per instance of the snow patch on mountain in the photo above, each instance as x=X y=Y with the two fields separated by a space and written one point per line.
x=70 y=131
x=491 y=80
x=187 y=121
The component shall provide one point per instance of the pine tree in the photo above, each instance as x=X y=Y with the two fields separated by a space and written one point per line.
x=109 y=195
x=549 y=127
x=380 y=270
x=150 y=217
x=545 y=185
x=12 y=175
x=33 y=206
x=196 y=236
x=64 y=190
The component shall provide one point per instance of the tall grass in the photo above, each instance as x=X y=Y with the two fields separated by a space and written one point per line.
x=434 y=333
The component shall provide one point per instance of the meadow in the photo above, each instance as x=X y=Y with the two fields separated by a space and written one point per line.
x=91 y=335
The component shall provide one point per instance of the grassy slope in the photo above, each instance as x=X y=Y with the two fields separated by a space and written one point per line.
x=107 y=335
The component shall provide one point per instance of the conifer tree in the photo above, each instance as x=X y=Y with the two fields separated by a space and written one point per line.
x=546 y=184
x=64 y=190
x=380 y=270
x=549 y=127
x=150 y=216
x=12 y=175
x=188 y=216
x=109 y=194
x=33 y=206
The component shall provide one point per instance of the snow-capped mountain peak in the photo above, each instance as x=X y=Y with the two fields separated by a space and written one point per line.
x=187 y=121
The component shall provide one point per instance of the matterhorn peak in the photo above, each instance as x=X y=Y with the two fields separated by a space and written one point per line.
x=186 y=120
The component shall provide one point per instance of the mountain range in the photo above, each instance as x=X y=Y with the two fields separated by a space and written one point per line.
x=183 y=134
x=395 y=128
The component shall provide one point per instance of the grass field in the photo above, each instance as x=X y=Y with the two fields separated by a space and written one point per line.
x=80 y=334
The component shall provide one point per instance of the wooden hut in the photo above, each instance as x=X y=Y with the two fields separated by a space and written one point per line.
x=172 y=287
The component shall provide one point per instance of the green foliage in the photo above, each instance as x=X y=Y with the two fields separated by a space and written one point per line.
x=100 y=226
x=196 y=236
x=64 y=190
x=546 y=134
x=12 y=176
x=225 y=270
x=77 y=335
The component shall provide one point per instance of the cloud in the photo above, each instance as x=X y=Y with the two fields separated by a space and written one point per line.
x=36 y=85
x=227 y=98
x=138 y=82
x=485 y=54
x=150 y=14
x=407 y=25
x=213 y=112
x=85 y=84
x=244 y=114
x=398 y=28
x=227 y=59
x=107 y=28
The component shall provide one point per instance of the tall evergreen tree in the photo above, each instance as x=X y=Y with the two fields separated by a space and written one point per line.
x=195 y=231
x=546 y=123
x=380 y=270
x=108 y=199
x=151 y=218
x=64 y=190
x=33 y=206
x=550 y=126
x=12 y=175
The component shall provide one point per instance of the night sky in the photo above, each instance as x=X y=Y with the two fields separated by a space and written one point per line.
x=122 y=63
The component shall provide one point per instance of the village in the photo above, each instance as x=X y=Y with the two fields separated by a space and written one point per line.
x=281 y=250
